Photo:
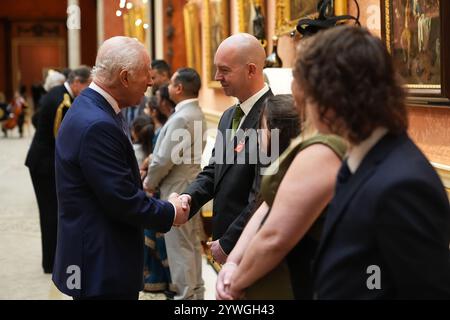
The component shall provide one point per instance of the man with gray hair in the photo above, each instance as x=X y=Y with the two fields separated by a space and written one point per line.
x=41 y=156
x=102 y=208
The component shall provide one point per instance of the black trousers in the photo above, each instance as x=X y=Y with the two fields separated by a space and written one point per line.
x=45 y=190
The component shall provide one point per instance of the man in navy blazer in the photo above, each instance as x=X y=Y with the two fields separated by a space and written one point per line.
x=387 y=229
x=102 y=208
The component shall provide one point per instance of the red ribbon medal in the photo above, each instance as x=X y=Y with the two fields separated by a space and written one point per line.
x=240 y=146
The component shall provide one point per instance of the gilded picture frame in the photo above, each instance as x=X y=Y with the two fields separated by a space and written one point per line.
x=288 y=12
x=414 y=33
x=192 y=33
x=249 y=12
x=216 y=28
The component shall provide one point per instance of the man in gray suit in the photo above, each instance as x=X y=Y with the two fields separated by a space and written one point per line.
x=175 y=164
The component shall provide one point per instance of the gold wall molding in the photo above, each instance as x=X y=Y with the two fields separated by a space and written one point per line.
x=212 y=117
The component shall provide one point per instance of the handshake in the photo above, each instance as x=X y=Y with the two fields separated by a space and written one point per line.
x=182 y=204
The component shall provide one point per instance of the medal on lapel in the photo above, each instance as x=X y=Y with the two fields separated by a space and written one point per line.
x=240 y=146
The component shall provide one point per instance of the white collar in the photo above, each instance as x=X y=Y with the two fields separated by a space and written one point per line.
x=183 y=103
x=247 y=105
x=69 y=89
x=357 y=153
x=114 y=104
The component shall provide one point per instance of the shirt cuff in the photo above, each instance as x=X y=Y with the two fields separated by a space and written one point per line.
x=174 y=213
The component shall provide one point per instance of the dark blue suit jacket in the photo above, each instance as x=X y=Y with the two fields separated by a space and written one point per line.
x=392 y=213
x=102 y=208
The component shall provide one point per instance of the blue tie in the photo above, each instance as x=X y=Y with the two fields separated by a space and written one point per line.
x=124 y=124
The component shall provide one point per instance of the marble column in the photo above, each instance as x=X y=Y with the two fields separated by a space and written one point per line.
x=73 y=33
x=100 y=23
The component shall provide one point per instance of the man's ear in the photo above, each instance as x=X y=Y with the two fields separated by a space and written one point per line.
x=251 y=70
x=123 y=76
x=179 y=88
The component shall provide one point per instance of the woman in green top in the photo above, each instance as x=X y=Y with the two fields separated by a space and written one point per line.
x=273 y=256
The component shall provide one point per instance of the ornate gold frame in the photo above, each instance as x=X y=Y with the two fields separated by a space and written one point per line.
x=243 y=13
x=192 y=36
x=224 y=33
x=130 y=16
x=283 y=24
x=424 y=93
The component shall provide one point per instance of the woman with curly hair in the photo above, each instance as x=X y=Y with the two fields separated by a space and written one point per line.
x=387 y=229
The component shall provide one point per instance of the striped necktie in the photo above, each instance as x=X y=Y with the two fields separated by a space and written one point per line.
x=124 y=125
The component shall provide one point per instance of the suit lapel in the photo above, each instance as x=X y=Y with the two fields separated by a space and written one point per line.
x=101 y=102
x=345 y=193
x=250 y=122
x=66 y=91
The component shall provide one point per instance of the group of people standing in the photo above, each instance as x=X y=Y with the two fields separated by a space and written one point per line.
x=349 y=209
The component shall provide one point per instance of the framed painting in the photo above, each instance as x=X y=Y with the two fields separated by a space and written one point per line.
x=288 y=12
x=252 y=18
x=415 y=33
x=216 y=28
x=192 y=36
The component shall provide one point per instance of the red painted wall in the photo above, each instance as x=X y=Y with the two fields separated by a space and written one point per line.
x=27 y=9
x=178 y=42
x=45 y=10
x=33 y=58
x=88 y=31
x=113 y=25
x=2 y=59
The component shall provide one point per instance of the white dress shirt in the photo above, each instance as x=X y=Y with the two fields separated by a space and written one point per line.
x=247 y=105
x=356 y=153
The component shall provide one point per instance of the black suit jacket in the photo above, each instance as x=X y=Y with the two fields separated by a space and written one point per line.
x=392 y=213
x=232 y=185
x=41 y=155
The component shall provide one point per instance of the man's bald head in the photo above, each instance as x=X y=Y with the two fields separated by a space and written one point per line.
x=239 y=62
x=245 y=48
x=116 y=54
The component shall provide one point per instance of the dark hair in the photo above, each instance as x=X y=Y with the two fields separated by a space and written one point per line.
x=153 y=106
x=190 y=80
x=280 y=113
x=66 y=72
x=83 y=74
x=162 y=66
x=349 y=74
x=144 y=130
x=164 y=94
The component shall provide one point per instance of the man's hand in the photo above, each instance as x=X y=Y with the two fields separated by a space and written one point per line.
x=149 y=191
x=144 y=167
x=224 y=280
x=182 y=213
x=185 y=200
x=217 y=252
x=233 y=291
